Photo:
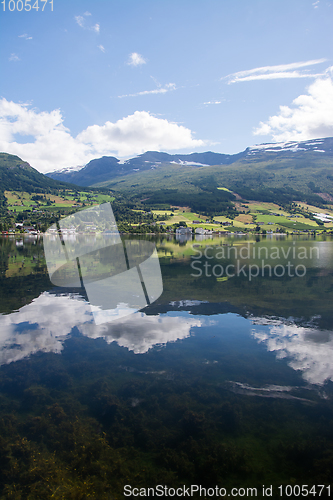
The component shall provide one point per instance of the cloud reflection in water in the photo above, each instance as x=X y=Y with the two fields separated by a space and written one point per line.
x=48 y=321
x=42 y=325
x=308 y=349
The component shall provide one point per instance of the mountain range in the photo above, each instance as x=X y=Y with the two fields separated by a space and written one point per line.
x=313 y=153
x=278 y=172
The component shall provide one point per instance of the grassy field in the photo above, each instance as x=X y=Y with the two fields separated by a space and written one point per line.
x=20 y=201
x=180 y=216
x=245 y=218
x=328 y=209
x=283 y=219
x=263 y=212
x=255 y=206
x=193 y=216
x=221 y=218
x=300 y=226
x=249 y=221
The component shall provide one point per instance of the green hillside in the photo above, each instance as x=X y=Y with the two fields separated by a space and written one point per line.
x=278 y=180
x=18 y=175
x=27 y=195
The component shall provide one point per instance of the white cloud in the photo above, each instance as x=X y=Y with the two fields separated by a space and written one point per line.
x=316 y=4
x=310 y=117
x=212 y=102
x=275 y=72
x=138 y=133
x=101 y=48
x=14 y=57
x=53 y=147
x=136 y=59
x=161 y=90
x=277 y=75
x=25 y=36
x=52 y=144
x=81 y=21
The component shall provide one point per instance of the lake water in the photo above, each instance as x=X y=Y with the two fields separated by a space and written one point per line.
x=224 y=381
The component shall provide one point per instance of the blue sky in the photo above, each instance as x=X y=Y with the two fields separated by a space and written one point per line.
x=94 y=78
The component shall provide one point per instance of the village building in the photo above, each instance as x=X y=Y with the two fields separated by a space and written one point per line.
x=183 y=230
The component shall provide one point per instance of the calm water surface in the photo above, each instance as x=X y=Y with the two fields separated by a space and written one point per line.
x=225 y=380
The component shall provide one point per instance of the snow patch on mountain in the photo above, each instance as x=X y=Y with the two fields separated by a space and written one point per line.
x=69 y=170
x=292 y=146
x=190 y=163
